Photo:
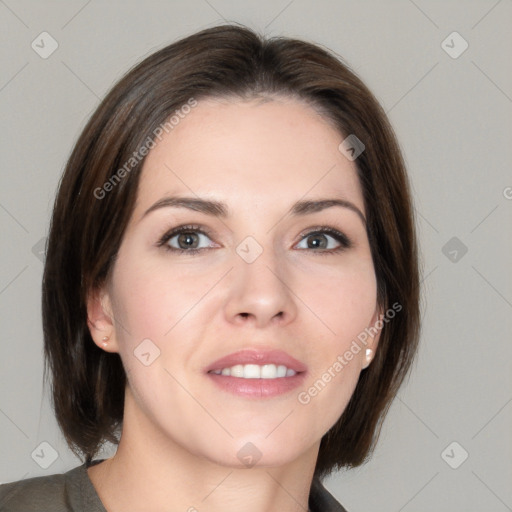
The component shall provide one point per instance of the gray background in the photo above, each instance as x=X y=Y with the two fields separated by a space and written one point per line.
x=453 y=120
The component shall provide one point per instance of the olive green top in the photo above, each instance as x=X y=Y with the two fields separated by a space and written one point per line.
x=74 y=492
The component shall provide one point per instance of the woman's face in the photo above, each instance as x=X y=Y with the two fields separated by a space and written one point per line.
x=258 y=275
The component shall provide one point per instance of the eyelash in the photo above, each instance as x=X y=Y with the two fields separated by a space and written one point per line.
x=342 y=239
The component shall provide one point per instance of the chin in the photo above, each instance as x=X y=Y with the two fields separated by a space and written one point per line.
x=255 y=451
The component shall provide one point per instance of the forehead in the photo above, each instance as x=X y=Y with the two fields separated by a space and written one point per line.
x=250 y=154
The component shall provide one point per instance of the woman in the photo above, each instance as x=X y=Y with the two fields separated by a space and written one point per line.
x=231 y=288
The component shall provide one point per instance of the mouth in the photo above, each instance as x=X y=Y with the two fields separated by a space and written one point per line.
x=254 y=371
x=257 y=373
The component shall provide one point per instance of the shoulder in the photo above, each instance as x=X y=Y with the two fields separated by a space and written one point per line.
x=321 y=500
x=52 y=493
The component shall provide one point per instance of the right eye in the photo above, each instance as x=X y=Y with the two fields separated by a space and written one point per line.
x=185 y=239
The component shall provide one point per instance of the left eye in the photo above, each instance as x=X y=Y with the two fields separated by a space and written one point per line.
x=324 y=240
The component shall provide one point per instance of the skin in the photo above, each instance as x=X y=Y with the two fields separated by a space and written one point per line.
x=181 y=434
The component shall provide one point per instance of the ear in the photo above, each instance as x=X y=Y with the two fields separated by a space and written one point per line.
x=99 y=320
x=374 y=329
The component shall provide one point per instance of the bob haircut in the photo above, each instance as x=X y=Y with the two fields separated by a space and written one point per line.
x=87 y=225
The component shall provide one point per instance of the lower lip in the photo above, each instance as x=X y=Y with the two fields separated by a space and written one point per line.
x=257 y=388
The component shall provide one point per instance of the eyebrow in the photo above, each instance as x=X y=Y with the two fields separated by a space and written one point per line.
x=220 y=209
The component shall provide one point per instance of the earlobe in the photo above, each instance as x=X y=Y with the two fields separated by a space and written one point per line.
x=368 y=358
x=375 y=329
x=99 y=320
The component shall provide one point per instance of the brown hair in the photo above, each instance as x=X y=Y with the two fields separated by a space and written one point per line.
x=88 y=383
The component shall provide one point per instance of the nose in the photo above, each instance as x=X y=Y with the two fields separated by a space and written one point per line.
x=260 y=293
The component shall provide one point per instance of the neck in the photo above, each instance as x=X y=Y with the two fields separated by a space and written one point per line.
x=151 y=472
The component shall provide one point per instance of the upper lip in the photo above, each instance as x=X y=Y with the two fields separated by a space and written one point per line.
x=257 y=356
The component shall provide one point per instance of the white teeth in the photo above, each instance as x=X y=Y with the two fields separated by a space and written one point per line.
x=255 y=371
x=252 y=371
x=237 y=370
x=281 y=371
x=268 y=371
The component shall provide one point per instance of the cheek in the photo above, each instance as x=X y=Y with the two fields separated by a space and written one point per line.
x=151 y=299
x=344 y=298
